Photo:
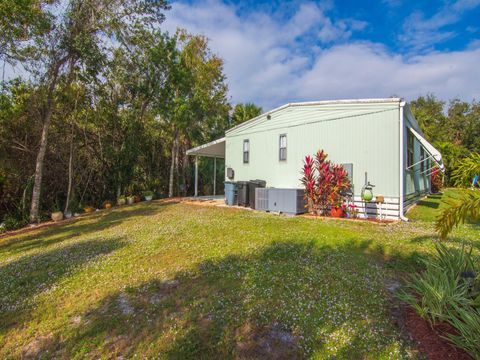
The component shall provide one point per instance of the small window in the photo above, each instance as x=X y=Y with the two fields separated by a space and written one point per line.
x=246 y=151
x=283 y=148
x=409 y=149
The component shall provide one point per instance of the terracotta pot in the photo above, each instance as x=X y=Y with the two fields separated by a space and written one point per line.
x=88 y=209
x=336 y=212
x=107 y=205
x=57 y=216
x=137 y=198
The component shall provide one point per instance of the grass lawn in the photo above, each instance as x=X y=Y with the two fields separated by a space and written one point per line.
x=428 y=209
x=173 y=280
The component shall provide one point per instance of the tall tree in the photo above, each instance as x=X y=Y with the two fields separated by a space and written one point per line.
x=21 y=21
x=76 y=40
x=428 y=111
x=198 y=103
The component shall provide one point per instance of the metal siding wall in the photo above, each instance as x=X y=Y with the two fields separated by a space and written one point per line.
x=363 y=134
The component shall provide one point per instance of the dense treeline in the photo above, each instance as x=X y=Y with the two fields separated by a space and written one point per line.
x=108 y=108
x=454 y=129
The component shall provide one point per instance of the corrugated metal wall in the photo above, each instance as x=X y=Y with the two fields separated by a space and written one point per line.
x=365 y=134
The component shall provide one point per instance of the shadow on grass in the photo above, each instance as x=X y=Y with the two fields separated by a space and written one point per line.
x=449 y=240
x=429 y=204
x=84 y=226
x=22 y=279
x=288 y=300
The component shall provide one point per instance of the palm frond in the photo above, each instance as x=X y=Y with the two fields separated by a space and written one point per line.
x=466 y=170
x=467 y=209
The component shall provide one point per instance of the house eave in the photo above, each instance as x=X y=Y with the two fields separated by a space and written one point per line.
x=321 y=102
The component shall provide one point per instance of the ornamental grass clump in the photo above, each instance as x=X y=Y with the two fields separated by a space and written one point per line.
x=326 y=184
x=449 y=291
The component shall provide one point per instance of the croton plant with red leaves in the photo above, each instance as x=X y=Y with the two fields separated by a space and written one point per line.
x=437 y=181
x=325 y=183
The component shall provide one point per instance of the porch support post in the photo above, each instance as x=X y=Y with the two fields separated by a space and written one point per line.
x=196 y=176
x=214 y=174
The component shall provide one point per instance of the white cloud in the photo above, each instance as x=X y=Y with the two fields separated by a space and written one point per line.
x=368 y=70
x=265 y=63
x=421 y=33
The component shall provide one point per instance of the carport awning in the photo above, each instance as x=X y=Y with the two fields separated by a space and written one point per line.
x=433 y=153
x=214 y=148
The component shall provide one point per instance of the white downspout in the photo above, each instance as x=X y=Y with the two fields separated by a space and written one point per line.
x=196 y=175
x=402 y=165
x=214 y=174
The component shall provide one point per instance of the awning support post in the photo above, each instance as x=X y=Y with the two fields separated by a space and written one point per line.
x=196 y=176
x=214 y=174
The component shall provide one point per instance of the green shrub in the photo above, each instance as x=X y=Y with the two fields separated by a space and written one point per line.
x=434 y=292
x=467 y=323
x=12 y=223
x=466 y=170
x=448 y=290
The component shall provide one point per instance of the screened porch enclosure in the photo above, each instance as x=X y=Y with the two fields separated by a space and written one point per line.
x=209 y=168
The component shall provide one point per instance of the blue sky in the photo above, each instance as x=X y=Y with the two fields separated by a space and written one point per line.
x=277 y=52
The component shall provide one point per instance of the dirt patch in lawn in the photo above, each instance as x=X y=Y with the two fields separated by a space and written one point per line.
x=271 y=342
x=34 y=348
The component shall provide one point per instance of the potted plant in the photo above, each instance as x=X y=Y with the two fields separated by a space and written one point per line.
x=130 y=200
x=352 y=211
x=88 y=209
x=336 y=211
x=325 y=185
x=137 y=198
x=121 y=200
x=57 y=215
x=107 y=204
x=148 y=195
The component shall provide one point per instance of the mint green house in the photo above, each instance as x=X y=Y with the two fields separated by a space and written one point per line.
x=376 y=137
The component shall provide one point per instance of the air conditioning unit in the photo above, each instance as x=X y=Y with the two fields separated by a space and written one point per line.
x=289 y=201
x=261 y=199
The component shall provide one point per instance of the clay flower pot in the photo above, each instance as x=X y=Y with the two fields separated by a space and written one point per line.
x=107 y=205
x=88 y=209
x=57 y=216
x=336 y=212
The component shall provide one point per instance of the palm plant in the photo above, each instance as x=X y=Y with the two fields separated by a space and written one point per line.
x=466 y=170
x=467 y=209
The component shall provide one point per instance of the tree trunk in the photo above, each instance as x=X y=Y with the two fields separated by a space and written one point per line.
x=172 y=164
x=70 y=174
x=47 y=116
x=177 y=153
x=184 y=173
x=37 y=185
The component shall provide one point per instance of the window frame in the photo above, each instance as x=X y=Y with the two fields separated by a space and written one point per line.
x=246 y=153
x=280 y=148
x=410 y=150
x=423 y=159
